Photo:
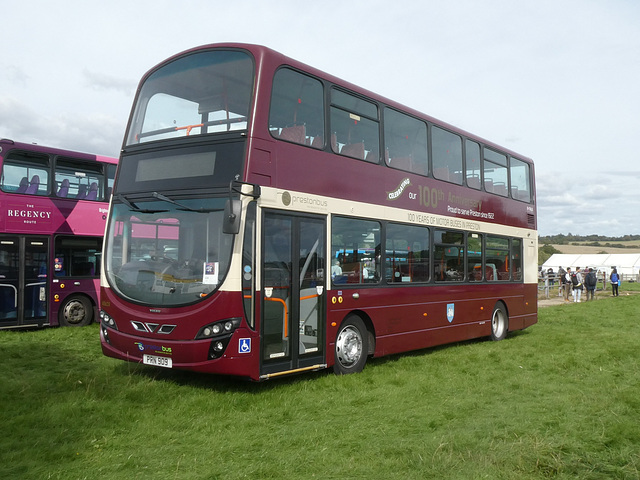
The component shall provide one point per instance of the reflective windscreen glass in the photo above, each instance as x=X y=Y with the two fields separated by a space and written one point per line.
x=163 y=254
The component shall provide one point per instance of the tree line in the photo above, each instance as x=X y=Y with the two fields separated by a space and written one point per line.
x=562 y=239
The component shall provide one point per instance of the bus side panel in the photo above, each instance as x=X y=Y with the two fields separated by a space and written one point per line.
x=424 y=317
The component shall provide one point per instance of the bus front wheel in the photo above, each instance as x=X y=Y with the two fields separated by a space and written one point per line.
x=76 y=311
x=351 y=346
x=499 y=322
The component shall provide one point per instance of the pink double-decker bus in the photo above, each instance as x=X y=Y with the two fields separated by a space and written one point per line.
x=53 y=210
x=270 y=219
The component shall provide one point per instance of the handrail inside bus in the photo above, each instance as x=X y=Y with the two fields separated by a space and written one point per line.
x=15 y=300
x=286 y=314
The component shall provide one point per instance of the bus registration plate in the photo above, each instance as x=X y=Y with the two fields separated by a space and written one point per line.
x=157 y=361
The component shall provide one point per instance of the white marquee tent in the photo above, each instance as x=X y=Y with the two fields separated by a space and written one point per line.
x=628 y=264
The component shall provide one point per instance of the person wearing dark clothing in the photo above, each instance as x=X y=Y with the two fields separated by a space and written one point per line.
x=591 y=282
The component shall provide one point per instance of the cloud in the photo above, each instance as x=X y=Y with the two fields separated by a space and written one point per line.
x=85 y=132
x=15 y=75
x=102 y=81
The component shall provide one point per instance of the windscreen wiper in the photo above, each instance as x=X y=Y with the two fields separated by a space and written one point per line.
x=132 y=206
x=182 y=206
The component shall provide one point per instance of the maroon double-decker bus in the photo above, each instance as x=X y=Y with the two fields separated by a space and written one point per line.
x=269 y=219
x=53 y=210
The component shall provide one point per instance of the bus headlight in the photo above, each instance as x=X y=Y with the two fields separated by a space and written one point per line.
x=222 y=327
x=107 y=321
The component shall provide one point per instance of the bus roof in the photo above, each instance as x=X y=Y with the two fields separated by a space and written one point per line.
x=6 y=143
x=266 y=56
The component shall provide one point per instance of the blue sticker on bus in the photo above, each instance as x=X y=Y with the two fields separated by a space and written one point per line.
x=244 y=346
x=450 y=311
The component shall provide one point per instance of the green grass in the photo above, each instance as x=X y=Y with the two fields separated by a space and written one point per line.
x=558 y=400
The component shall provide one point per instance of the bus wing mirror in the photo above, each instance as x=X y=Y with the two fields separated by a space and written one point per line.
x=232 y=214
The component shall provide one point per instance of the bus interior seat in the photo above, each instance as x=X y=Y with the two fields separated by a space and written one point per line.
x=403 y=163
x=488 y=185
x=473 y=181
x=318 y=142
x=353 y=150
x=93 y=192
x=456 y=177
x=334 y=143
x=296 y=134
x=63 y=191
x=500 y=188
x=373 y=156
x=82 y=192
x=33 y=186
x=441 y=173
x=24 y=184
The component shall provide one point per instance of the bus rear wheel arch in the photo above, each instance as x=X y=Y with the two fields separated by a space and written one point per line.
x=75 y=311
x=499 y=322
x=352 y=346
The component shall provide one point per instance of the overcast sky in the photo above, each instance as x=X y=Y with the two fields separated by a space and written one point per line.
x=557 y=81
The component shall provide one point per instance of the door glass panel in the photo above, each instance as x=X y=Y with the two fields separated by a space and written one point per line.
x=9 y=259
x=311 y=273
x=277 y=278
x=35 y=279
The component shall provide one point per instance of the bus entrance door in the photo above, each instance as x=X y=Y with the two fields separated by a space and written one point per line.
x=23 y=280
x=293 y=292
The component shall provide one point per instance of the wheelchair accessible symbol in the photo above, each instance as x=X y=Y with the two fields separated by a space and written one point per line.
x=244 y=346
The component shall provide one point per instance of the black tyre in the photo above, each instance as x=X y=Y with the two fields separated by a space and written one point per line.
x=499 y=322
x=352 y=346
x=76 y=311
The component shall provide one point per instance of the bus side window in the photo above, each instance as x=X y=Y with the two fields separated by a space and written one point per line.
x=446 y=156
x=25 y=173
x=472 y=164
x=355 y=248
x=355 y=127
x=407 y=254
x=448 y=247
x=495 y=173
x=405 y=142
x=520 y=177
x=297 y=113
x=497 y=258
x=474 y=257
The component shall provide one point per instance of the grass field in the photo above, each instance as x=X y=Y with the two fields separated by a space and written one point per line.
x=558 y=400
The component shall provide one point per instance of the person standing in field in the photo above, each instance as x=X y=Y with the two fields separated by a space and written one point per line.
x=567 y=284
x=615 y=282
x=576 y=283
x=591 y=281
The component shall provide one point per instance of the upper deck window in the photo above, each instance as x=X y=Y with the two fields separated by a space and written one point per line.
x=77 y=180
x=495 y=173
x=354 y=127
x=447 y=155
x=405 y=141
x=520 y=180
x=472 y=164
x=297 y=113
x=25 y=173
x=202 y=93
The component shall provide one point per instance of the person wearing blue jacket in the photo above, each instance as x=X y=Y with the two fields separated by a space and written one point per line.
x=615 y=281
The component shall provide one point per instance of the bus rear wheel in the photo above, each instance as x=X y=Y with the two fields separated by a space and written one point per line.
x=76 y=311
x=499 y=322
x=352 y=346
